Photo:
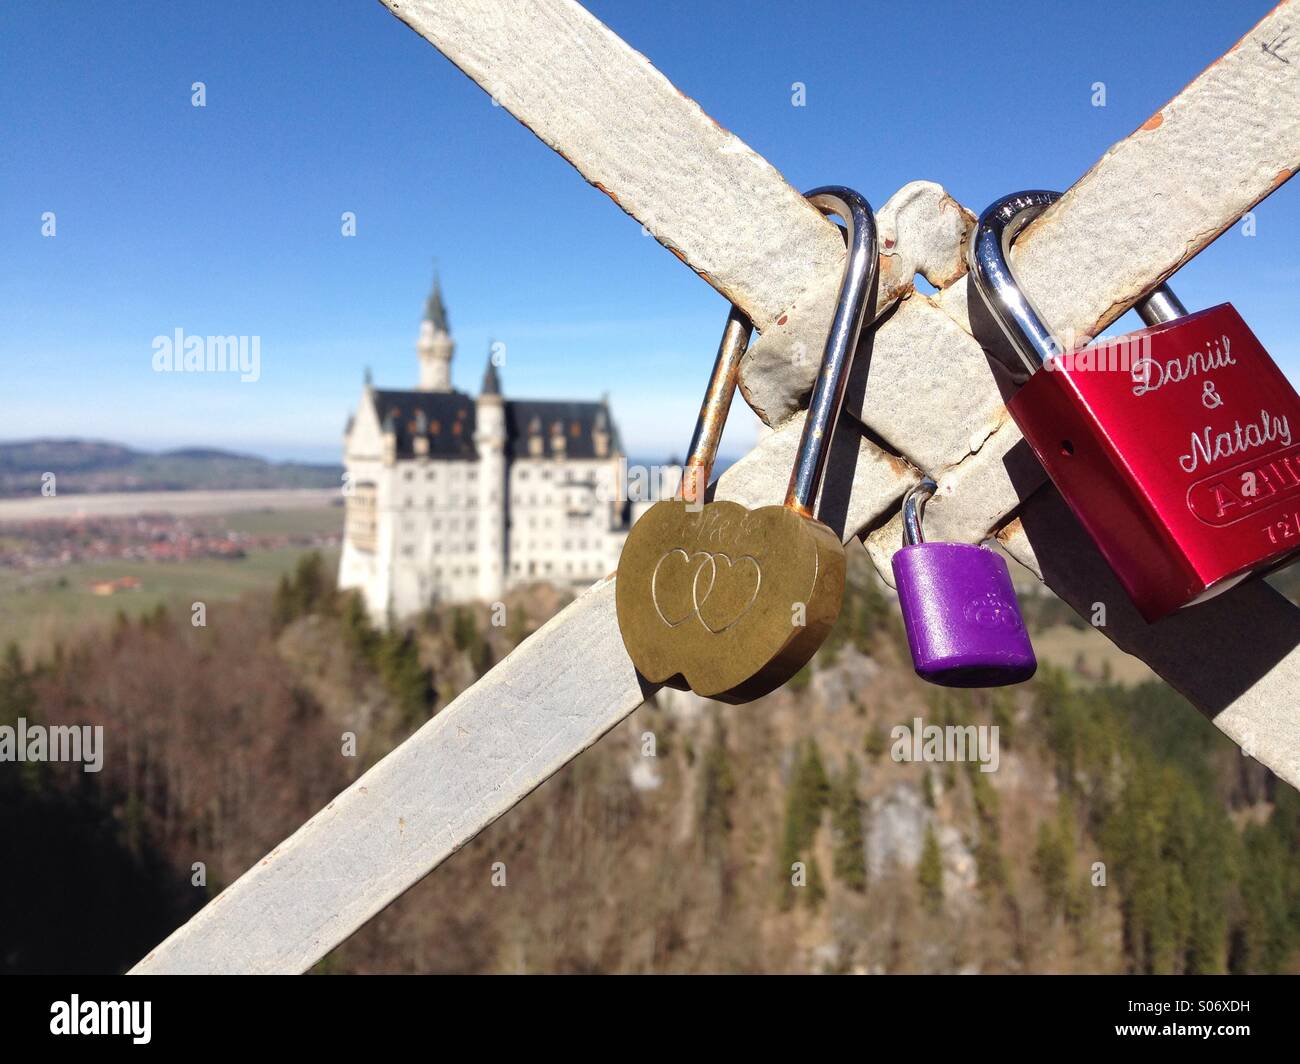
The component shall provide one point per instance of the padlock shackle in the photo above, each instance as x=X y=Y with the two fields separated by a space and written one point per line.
x=914 y=510
x=857 y=285
x=717 y=403
x=990 y=268
x=1160 y=306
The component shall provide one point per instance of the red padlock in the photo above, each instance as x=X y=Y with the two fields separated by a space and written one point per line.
x=1175 y=445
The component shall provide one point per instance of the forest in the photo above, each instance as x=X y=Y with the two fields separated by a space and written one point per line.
x=1120 y=831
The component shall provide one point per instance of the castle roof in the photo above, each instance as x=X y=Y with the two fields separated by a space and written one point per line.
x=578 y=422
x=448 y=421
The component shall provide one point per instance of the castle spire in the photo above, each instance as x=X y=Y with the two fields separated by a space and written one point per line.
x=435 y=311
x=491 y=379
x=435 y=346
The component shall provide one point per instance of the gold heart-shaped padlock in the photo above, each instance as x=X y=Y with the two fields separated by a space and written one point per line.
x=732 y=602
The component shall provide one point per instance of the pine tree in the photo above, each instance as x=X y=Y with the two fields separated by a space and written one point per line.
x=806 y=800
x=929 y=873
x=282 y=605
x=846 y=821
x=357 y=629
x=787 y=856
x=990 y=868
x=717 y=785
x=815 y=892
x=17 y=695
x=310 y=589
x=816 y=789
x=397 y=659
x=1050 y=864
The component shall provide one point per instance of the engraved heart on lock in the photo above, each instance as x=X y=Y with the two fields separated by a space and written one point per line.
x=687 y=589
x=732 y=602
x=731 y=629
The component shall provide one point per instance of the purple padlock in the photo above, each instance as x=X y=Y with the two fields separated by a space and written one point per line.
x=959 y=608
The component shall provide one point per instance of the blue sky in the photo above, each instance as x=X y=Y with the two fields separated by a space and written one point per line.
x=226 y=219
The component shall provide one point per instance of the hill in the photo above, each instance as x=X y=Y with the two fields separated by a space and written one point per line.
x=1116 y=831
x=96 y=466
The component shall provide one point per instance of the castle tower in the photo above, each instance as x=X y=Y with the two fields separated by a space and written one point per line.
x=490 y=440
x=435 y=346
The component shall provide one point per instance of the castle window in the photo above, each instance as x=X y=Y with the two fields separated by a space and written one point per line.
x=360 y=516
x=408 y=474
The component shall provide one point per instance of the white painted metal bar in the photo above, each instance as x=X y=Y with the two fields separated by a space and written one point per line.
x=728 y=215
x=702 y=192
x=555 y=695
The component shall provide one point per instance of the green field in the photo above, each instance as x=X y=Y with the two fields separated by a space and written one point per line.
x=40 y=608
x=285 y=522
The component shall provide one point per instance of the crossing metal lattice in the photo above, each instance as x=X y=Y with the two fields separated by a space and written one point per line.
x=1148 y=205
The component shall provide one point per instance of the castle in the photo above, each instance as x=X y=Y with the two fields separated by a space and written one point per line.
x=453 y=497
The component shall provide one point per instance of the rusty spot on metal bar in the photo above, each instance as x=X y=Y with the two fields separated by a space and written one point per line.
x=683 y=259
x=607 y=192
x=899 y=466
x=1154 y=122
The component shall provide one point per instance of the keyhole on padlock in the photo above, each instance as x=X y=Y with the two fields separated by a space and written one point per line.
x=1067 y=448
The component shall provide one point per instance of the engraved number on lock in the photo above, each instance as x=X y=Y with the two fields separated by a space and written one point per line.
x=1284 y=529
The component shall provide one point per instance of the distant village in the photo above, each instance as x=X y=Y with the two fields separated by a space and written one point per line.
x=50 y=544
